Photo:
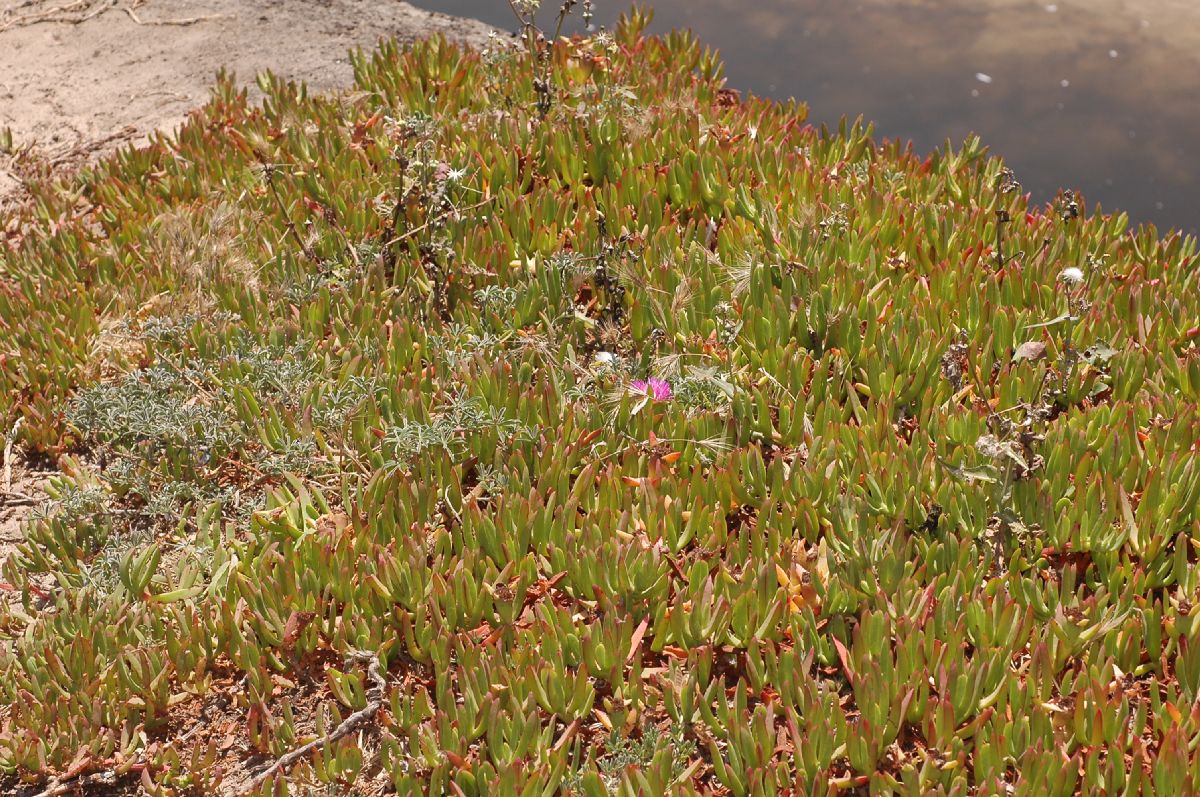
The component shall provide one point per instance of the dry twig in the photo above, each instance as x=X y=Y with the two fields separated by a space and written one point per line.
x=57 y=788
x=177 y=22
x=8 y=455
x=438 y=218
x=374 y=702
x=72 y=13
x=88 y=147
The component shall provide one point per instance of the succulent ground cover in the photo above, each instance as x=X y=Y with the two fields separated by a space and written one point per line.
x=571 y=424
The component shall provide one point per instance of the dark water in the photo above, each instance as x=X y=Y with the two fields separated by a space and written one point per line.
x=1100 y=96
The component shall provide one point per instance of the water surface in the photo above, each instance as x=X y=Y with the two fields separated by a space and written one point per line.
x=1100 y=96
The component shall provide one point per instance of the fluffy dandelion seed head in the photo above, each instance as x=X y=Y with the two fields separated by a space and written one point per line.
x=1071 y=276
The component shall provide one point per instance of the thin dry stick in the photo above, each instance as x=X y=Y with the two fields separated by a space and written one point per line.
x=57 y=788
x=38 y=16
x=60 y=14
x=8 y=455
x=374 y=702
x=440 y=217
x=61 y=786
x=95 y=12
x=179 y=22
x=269 y=174
x=88 y=147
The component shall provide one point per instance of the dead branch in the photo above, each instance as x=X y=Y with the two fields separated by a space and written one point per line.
x=374 y=702
x=8 y=455
x=57 y=788
x=72 y=785
x=177 y=22
x=73 y=13
x=88 y=147
x=436 y=219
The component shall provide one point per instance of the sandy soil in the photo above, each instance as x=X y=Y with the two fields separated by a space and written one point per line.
x=85 y=76
x=21 y=490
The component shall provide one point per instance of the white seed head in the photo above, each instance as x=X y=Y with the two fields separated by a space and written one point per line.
x=1071 y=276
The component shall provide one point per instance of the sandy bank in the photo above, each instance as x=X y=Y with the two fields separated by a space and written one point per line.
x=77 y=78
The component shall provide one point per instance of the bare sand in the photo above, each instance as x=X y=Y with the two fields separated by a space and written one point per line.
x=81 y=78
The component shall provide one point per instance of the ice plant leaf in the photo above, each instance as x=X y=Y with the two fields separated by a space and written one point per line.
x=330 y=457
x=1056 y=320
x=1099 y=353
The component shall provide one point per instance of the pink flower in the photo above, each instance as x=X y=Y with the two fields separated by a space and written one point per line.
x=656 y=389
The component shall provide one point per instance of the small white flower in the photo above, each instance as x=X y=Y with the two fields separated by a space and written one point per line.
x=1070 y=276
